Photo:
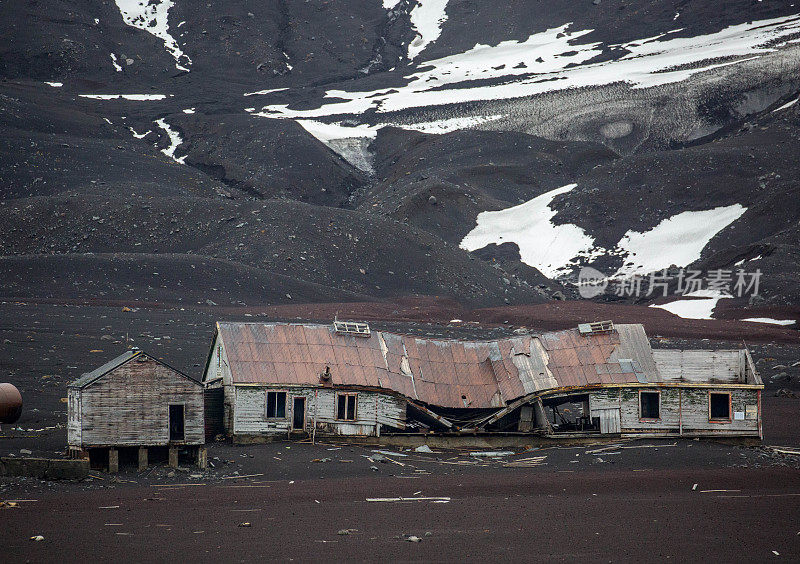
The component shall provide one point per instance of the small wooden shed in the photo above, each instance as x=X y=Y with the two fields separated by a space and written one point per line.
x=135 y=402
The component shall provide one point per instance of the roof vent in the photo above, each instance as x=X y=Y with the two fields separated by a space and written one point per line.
x=351 y=328
x=595 y=328
x=326 y=376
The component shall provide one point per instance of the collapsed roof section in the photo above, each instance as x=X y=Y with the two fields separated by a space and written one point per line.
x=437 y=372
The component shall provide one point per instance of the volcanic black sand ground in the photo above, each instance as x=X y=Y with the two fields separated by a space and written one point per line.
x=625 y=503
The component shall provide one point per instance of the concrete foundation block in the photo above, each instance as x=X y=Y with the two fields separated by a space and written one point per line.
x=44 y=468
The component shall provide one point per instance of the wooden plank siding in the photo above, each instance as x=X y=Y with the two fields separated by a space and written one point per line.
x=683 y=409
x=74 y=417
x=129 y=406
x=249 y=411
x=700 y=365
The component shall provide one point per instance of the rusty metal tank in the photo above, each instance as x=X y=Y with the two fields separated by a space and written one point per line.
x=10 y=403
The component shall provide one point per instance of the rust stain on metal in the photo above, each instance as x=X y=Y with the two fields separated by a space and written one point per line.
x=435 y=371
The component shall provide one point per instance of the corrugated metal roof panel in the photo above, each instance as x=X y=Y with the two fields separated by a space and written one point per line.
x=444 y=370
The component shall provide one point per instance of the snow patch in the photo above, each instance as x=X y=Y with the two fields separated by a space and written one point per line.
x=390 y=4
x=447 y=125
x=770 y=320
x=136 y=97
x=326 y=132
x=786 y=105
x=695 y=309
x=427 y=18
x=140 y=135
x=329 y=131
x=554 y=60
x=151 y=16
x=677 y=240
x=741 y=262
x=174 y=141
x=350 y=143
x=263 y=92
x=188 y=111
x=543 y=245
x=556 y=249
x=115 y=63
x=55 y=84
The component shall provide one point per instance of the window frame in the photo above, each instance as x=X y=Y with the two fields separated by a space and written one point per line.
x=266 y=405
x=347 y=395
x=649 y=419
x=730 y=408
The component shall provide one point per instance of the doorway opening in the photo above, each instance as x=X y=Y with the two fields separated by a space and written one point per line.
x=176 y=422
x=299 y=413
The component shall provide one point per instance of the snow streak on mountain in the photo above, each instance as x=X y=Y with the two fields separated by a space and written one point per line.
x=293 y=149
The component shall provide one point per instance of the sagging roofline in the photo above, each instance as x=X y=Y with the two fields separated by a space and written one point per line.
x=569 y=389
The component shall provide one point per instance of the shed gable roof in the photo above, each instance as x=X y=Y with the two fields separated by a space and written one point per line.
x=91 y=377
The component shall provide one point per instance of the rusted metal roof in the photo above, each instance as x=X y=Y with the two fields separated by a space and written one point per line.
x=446 y=373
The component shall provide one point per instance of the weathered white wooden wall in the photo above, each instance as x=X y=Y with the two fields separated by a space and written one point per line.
x=372 y=408
x=609 y=420
x=129 y=406
x=700 y=365
x=74 y=416
x=218 y=366
x=686 y=407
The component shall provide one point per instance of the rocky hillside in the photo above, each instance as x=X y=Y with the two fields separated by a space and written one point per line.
x=291 y=150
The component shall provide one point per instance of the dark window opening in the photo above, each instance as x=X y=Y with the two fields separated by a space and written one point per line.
x=648 y=405
x=176 y=423
x=346 y=407
x=276 y=404
x=719 y=406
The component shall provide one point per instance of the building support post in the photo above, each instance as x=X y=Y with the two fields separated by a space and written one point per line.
x=202 y=457
x=526 y=417
x=113 y=461
x=173 y=457
x=142 y=459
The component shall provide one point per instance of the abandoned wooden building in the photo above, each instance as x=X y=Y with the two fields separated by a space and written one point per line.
x=135 y=408
x=601 y=378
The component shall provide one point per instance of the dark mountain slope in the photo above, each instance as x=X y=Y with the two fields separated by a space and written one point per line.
x=345 y=250
x=466 y=172
x=269 y=158
x=187 y=168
